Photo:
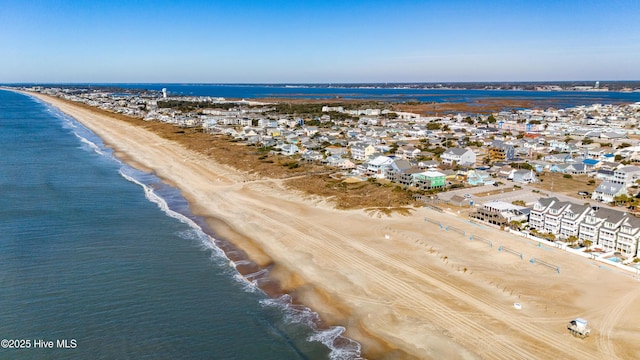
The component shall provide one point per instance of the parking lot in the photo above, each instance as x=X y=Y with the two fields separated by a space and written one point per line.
x=508 y=193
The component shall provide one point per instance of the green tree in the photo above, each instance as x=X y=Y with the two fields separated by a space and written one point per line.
x=515 y=224
x=438 y=150
x=572 y=240
x=587 y=243
x=524 y=166
x=621 y=199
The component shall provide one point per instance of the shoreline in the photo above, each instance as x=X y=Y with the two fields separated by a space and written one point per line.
x=424 y=293
x=276 y=280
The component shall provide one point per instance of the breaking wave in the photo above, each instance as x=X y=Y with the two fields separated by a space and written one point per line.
x=340 y=347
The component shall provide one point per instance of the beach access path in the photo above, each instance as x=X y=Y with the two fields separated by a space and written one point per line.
x=429 y=285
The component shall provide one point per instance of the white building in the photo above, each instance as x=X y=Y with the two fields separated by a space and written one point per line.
x=361 y=151
x=608 y=229
x=379 y=166
x=462 y=157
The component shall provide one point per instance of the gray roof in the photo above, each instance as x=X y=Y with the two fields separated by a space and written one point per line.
x=402 y=165
x=633 y=221
x=456 y=151
x=610 y=215
x=547 y=201
x=578 y=209
x=558 y=205
x=629 y=169
x=608 y=187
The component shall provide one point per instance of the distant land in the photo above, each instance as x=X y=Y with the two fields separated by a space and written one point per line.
x=593 y=85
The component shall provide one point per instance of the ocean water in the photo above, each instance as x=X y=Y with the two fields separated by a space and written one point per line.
x=109 y=259
x=558 y=99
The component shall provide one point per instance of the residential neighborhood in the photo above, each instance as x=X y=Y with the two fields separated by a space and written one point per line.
x=434 y=154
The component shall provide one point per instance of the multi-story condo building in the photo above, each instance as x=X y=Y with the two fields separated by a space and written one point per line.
x=572 y=216
x=610 y=221
x=557 y=217
x=609 y=229
x=628 y=236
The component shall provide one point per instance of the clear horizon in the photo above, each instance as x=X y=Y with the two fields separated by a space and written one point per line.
x=550 y=82
x=321 y=42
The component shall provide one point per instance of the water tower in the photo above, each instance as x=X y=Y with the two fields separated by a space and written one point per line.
x=597 y=85
x=164 y=93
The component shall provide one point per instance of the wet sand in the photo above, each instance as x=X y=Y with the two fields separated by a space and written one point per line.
x=402 y=286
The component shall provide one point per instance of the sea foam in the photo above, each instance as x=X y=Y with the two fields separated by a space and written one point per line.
x=341 y=348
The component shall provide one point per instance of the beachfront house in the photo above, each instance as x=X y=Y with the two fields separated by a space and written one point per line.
x=378 y=167
x=398 y=172
x=430 y=179
x=500 y=213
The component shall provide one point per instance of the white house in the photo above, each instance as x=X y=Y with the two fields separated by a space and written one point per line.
x=379 y=166
x=462 y=157
x=524 y=176
x=289 y=149
x=608 y=190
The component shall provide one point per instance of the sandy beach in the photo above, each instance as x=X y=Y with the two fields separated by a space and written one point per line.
x=402 y=286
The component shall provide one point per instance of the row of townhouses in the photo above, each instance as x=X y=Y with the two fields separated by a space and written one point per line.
x=606 y=228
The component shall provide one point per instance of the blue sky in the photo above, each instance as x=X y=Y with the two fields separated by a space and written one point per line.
x=318 y=41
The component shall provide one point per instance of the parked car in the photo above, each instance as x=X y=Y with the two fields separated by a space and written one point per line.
x=467 y=195
x=583 y=193
x=495 y=184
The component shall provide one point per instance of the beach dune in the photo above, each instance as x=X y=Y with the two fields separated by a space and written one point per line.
x=402 y=286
